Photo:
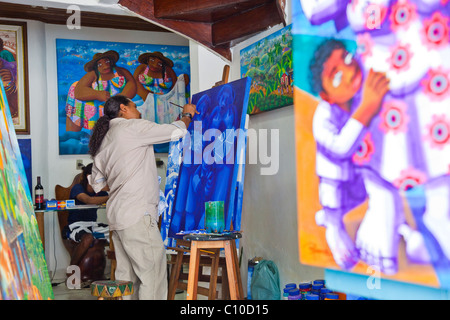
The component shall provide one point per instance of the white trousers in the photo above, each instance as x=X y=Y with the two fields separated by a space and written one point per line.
x=141 y=258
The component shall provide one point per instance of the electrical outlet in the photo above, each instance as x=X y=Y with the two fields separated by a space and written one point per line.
x=80 y=164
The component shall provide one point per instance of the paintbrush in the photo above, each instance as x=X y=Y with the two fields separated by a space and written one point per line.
x=176 y=104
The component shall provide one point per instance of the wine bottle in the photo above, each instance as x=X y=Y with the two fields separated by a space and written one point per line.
x=39 y=195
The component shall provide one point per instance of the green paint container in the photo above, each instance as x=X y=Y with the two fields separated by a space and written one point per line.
x=214 y=217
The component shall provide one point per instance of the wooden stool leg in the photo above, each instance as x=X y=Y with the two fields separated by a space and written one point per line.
x=225 y=285
x=175 y=275
x=213 y=277
x=238 y=272
x=194 y=262
x=232 y=270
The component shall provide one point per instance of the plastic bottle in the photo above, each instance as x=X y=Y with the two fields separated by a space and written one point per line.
x=305 y=288
x=315 y=288
x=323 y=293
x=291 y=285
x=286 y=293
x=331 y=296
x=294 y=294
x=319 y=281
x=312 y=297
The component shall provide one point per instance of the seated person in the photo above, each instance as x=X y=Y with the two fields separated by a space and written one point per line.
x=82 y=224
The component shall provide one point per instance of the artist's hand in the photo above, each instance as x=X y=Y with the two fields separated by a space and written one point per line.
x=190 y=108
x=103 y=96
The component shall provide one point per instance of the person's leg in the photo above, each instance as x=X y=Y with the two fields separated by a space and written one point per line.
x=82 y=247
x=145 y=249
x=124 y=268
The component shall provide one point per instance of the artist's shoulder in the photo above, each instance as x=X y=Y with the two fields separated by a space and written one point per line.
x=135 y=124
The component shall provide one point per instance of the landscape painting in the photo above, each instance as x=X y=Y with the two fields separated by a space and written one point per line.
x=269 y=63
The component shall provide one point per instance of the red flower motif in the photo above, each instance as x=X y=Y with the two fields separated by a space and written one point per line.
x=400 y=57
x=393 y=117
x=435 y=33
x=365 y=150
x=409 y=178
x=438 y=132
x=402 y=13
x=437 y=84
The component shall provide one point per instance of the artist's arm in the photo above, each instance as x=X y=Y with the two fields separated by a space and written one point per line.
x=146 y=132
x=97 y=180
x=130 y=88
x=84 y=91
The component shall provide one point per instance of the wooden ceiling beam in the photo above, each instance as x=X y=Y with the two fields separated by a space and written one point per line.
x=200 y=32
x=88 y=19
x=237 y=26
x=164 y=9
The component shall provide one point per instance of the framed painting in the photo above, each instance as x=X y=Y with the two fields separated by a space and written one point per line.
x=14 y=72
x=80 y=102
x=373 y=138
x=269 y=63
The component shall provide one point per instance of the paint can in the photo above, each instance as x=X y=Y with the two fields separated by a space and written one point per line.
x=214 y=216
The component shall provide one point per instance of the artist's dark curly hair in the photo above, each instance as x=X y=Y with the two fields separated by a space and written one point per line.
x=110 y=111
x=321 y=55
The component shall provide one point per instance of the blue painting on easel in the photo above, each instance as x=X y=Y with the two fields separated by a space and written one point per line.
x=213 y=153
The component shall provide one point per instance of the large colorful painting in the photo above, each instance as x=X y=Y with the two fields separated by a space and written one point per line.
x=372 y=122
x=153 y=76
x=269 y=63
x=14 y=72
x=23 y=269
x=207 y=165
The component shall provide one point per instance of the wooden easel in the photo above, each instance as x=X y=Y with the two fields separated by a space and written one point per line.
x=225 y=74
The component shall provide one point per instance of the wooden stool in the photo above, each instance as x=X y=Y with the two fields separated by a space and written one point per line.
x=207 y=259
x=113 y=290
x=215 y=242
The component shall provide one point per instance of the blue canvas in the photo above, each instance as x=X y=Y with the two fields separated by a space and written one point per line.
x=25 y=151
x=213 y=154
